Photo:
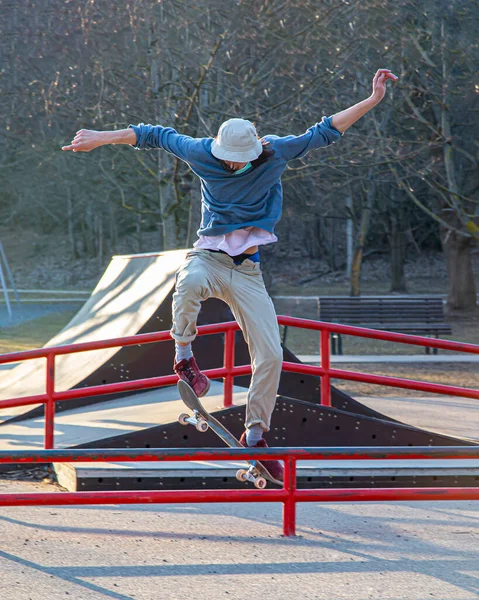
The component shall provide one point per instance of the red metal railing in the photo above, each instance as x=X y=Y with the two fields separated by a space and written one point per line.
x=229 y=371
x=327 y=373
x=289 y=495
x=50 y=397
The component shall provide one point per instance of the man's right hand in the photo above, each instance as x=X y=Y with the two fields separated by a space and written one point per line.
x=85 y=140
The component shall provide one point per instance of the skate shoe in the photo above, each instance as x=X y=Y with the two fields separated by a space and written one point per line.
x=273 y=466
x=188 y=370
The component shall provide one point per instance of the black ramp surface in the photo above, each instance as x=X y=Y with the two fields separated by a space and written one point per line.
x=294 y=423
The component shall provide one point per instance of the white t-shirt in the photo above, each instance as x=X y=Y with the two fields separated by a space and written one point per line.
x=237 y=241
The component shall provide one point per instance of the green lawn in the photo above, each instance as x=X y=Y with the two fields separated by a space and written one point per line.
x=464 y=328
x=424 y=285
x=301 y=341
x=33 y=334
x=36 y=333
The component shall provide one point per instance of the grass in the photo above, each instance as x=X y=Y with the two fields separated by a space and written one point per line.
x=465 y=328
x=424 y=285
x=33 y=334
x=307 y=342
x=36 y=333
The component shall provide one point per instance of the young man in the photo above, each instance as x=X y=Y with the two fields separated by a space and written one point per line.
x=241 y=203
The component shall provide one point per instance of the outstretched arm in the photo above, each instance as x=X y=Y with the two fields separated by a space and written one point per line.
x=141 y=137
x=344 y=119
x=86 y=140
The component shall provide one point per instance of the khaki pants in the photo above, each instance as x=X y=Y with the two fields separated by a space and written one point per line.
x=206 y=274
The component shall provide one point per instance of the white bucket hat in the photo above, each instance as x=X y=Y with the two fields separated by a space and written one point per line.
x=237 y=141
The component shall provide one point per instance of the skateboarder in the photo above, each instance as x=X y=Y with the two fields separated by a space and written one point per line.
x=241 y=197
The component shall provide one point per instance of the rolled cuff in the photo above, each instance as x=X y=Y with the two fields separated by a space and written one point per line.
x=183 y=339
x=136 y=129
x=249 y=424
x=329 y=122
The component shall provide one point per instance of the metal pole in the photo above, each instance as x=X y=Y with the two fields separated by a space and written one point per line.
x=73 y=455
x=289 y=505
x=50 y=403
x=325 y=364
x=9 y=273
x=349 y=236
x=229 y=359
x=5 y=292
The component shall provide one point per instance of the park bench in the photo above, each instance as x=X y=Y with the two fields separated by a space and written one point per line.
x=390 y=313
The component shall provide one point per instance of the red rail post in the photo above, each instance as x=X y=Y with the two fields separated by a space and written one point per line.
x=50 y=403
x=325 y=352
x=289 y=505
x=229 y=361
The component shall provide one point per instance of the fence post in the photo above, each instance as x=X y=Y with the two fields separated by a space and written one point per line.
x=229 y=361
x=325 y=352
x=289 y=505
x=50 y=404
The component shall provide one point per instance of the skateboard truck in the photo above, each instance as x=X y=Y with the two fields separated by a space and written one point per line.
x=197 y=420
x=256 y=473
x=242 y=475
x=251 y=475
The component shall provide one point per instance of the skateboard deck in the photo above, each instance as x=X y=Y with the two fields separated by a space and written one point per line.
x=257 y=471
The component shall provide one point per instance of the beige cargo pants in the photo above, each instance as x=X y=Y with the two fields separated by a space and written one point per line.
x=206 y=274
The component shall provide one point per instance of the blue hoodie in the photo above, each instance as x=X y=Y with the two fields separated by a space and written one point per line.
x=231 y=201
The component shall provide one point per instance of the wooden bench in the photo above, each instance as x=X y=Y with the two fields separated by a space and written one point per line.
x=389 y=313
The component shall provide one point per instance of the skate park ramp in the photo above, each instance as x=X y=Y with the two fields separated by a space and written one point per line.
x=134 y=296
x=126 y=297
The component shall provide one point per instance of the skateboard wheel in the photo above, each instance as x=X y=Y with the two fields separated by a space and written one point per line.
x=260 y=483
x=241 y=475
x=202 y=426
x=182 y=418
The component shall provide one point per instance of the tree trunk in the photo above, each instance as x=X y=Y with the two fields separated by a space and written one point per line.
x=70 y=225
x=349 y=236
x=113 y=228
x=397 y=242
x=457 y=248
x=355 y=280
x=462 y=294
x=166 y=199
x=100 y=241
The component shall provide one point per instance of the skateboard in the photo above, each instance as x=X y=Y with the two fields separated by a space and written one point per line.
x=202 y=420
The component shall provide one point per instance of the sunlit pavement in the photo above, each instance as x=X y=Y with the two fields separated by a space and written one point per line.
x=343 y=551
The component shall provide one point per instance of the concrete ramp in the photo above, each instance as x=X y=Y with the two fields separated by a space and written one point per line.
x=126 y=297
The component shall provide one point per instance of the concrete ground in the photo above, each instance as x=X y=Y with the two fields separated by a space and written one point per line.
x=397 y=551
x=450 y=415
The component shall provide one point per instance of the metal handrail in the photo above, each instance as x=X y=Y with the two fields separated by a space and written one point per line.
x=289 y=495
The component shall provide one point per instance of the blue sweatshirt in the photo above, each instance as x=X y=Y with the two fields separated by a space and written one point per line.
x=231 y=201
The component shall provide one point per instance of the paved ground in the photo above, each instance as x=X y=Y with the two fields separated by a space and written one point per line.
x=450 y=415
x=401 y=551
x=397 y=551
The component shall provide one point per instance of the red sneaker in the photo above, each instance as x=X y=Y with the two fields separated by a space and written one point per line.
x=273 y=466
x=188 y=370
